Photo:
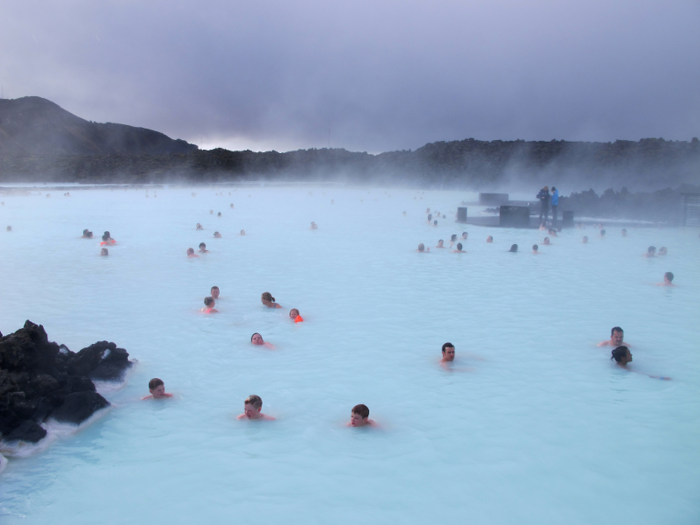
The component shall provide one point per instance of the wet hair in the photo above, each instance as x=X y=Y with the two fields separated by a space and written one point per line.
x=214 y=287
x=513 y=248
x=453 y=237
x=219 y=214
x=421 y=247
x=155 y=383
x=104 y=251
x=87 y=233
x=441 y=241
x=9 y=228
x=267 y=296
x=202 y=244
x=430 y=216
x=459 y=245
x=254 y=400
x=447 y=345
x=602 y=232
x=434 y=223
x=190 y=251
x=254 y=334
x=535 y=247
x=216 y=233
x=651 y=249
x=616 y=329
x=361 y=410
x=208 y=301
x=106 y=236
x=669 y=276
x=293 y=310
x=465 y=234
x=546 y=240
x=619 y=353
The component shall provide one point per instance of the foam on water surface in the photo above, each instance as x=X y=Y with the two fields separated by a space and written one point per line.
x=542 y=430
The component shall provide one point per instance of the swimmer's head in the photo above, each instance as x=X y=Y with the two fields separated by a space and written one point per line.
x=489 y=239
x=668 y=277
x=267 y=296
x=535 y=247
x=217 y=235
x=464 y=235
x=256 y=339
x=156 y=387
x=440 y=243
x=430 y=217
x=215 y=292
x=585 y=239
x=9 y=228
x=359 y=415
x=252 y=406
x=434 y=223
x=448 y=352
x=663 y=250
x=421 y=247
x=621 y=355
x=104 y=251
x=242 y=232
x=293 y=313
x=190 y=251
x=459 y=246
x=651 y=250
x=209 y=301
x=513 y=248
x=202 y=246
x=219 y=214
x=106 y=236
x=617 y=334
x=453 y=238
x=602 y=233
x=546 y=240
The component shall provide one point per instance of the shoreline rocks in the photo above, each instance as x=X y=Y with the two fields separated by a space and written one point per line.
x=40 y=379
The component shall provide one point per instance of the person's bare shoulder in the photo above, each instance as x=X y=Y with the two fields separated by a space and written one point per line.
x=242 y=416
x=149 y=396
x=267 y=418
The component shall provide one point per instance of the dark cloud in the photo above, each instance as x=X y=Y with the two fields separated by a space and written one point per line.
x=368 y=76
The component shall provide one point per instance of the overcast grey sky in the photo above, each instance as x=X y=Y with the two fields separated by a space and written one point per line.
x=363 y=75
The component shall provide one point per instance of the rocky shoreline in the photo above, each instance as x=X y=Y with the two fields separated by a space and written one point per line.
x=41 y=380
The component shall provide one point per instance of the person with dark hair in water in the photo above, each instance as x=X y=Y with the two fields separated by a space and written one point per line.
x=489 y=239
x=209 y=305
x=535 y=248
x=104 y=252
x=668 y=280
x=623 y=357
x=617 y=334
x=268 y=300
x=513 y=248
x=422 y=248
x=107 y=239
x=190 y=253
x=87 y=234
x=602 y=233
x=198 y=227
x=203 y=248
x=215 y=292
x=546 y=242
x=585 y=239
x=217 y=235
x=440 y=244
x=651 y=252
x=257 y=340
x=359 y=417
x=459 y=248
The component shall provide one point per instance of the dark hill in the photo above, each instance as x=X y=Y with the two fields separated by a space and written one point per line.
x=36 y=126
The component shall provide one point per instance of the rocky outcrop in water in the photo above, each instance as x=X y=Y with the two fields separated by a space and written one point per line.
x=40 y=379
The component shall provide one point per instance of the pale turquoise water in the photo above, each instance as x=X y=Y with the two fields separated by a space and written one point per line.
x=544 y=430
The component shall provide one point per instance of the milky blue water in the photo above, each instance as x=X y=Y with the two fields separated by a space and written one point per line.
x=544 y=429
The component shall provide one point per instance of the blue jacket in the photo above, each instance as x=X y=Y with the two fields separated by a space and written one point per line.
x=555 y=198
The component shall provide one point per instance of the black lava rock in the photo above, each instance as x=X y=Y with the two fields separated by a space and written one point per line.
x=40 y=379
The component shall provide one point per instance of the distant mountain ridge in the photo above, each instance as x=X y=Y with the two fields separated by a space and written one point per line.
x=35 y=126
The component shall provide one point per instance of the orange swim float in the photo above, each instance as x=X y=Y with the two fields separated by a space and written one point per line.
x=299 y=319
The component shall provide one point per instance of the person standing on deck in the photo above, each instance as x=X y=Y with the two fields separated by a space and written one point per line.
x=555 y=203
x=543 y=196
